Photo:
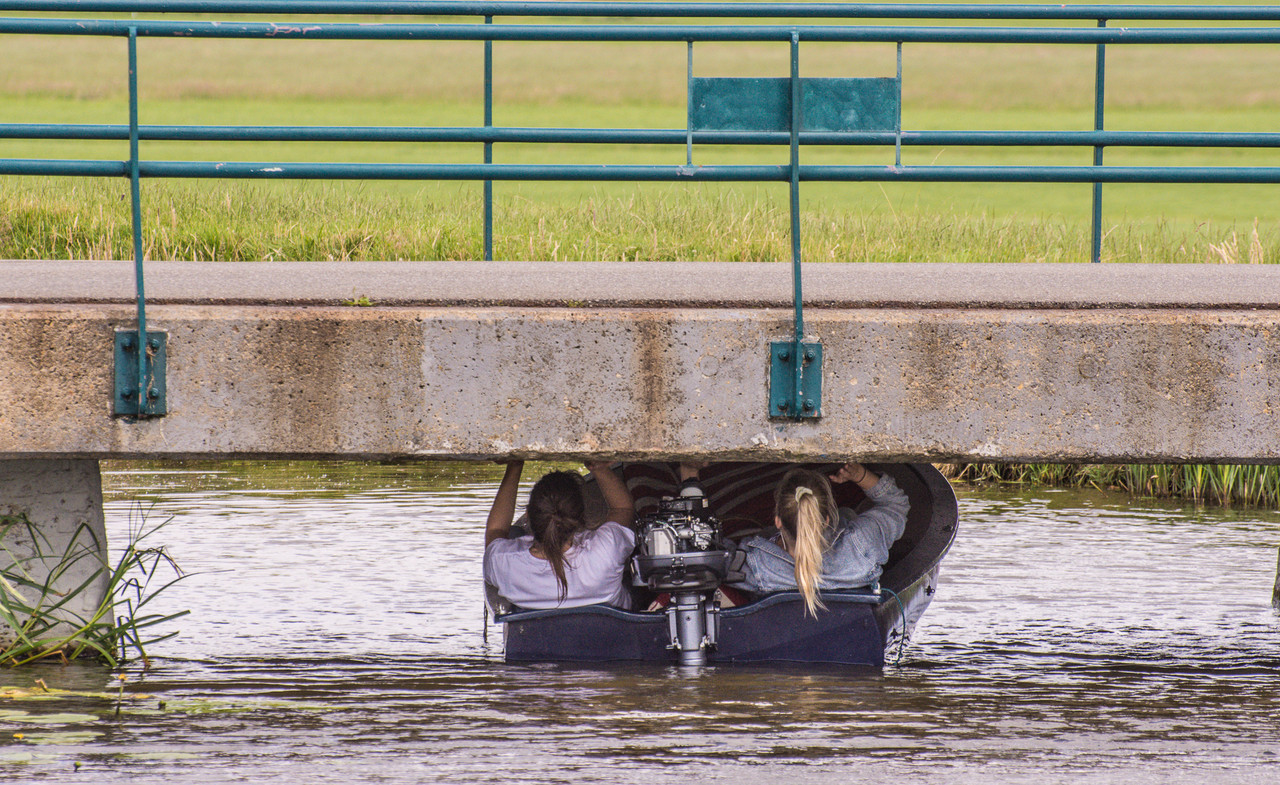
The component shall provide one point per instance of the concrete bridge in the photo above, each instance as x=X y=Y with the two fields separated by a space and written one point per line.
x=1100 y=363
x=1089 y=363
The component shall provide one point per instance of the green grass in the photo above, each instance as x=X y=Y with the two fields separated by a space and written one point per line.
x=82 y=219
x=626 y=85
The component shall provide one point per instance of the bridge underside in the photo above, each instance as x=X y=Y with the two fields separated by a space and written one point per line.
x=1072 y=363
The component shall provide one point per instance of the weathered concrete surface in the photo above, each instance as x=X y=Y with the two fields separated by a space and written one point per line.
x=63 y=499
x=1168 y=382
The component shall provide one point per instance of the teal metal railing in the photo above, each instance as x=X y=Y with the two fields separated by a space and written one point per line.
x=794 y=111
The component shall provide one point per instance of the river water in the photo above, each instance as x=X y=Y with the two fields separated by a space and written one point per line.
x=336 y=634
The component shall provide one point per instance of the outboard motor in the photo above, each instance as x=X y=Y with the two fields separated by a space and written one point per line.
x=681 y=552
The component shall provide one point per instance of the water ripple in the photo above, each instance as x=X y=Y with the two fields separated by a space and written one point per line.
x=337 y=634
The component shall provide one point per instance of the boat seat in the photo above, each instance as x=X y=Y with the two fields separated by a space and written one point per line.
x=522 y=614
x=866 y=595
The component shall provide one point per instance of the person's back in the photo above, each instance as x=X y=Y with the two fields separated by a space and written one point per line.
x=593 y=573
x=564 y=563
x=820 y=547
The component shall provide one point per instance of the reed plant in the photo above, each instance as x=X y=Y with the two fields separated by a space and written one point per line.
x=1224 y=484
x=43 y=594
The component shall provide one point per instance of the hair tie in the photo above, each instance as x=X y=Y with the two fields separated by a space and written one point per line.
x=801 y=490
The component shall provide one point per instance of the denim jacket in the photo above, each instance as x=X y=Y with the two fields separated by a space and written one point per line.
x=858 y=551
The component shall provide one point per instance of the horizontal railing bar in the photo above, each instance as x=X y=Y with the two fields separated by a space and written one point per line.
x=1043 y=174
x=648 y=173
x=661 y=9
x=1085 y=138
x=656 y=136
x=63 y=168
x=370 y=171
x=696 y=33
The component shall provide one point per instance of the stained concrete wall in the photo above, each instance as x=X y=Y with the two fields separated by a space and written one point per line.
x=63 y=501
x=1107 y=379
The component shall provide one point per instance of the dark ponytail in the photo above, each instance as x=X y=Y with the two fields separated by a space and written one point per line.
x=556 y=514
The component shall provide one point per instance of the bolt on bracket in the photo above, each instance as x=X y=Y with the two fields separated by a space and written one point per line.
x=126 y=398
x=795 y=380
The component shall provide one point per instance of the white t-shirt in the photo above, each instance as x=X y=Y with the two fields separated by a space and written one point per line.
x=592 y=567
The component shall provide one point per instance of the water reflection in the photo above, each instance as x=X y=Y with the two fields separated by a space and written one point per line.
x=337 y=634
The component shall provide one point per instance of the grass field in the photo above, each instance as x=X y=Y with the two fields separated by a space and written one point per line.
x=627 y=85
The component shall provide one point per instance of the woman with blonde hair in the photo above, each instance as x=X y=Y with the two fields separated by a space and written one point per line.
x=819 y=546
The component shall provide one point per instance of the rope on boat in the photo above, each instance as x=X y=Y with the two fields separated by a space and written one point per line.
x=902 y=642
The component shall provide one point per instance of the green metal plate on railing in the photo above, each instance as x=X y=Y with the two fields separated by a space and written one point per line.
x=742 y=104
x=785 y=400
x=125 y=394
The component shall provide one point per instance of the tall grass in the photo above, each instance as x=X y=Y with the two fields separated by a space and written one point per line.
x=1227 y=484
x=39 y=595
x=78 y=219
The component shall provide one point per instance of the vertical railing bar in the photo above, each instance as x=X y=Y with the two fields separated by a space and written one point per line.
x=688 y=116
x=488 y=146
x=897 y=139
x=1099 y=107
x=135 y=189
x=797 y=115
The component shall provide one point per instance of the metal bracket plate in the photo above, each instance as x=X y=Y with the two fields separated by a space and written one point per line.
x=764 y=104
x=785 y=400
x=125 y=391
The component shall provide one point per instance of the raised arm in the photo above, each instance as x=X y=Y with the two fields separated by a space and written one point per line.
x=617 y=498
x=503 y=512
x=884 y=522
x=856 y=473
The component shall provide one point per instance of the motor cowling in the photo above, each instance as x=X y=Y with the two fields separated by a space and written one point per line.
x=680 y=547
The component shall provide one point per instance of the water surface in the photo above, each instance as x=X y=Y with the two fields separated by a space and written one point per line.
x=336 y=633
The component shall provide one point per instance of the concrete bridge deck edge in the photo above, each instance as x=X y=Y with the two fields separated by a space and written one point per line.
x=651 y=284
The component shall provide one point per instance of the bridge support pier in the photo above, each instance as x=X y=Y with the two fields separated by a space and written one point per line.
x=54 y=540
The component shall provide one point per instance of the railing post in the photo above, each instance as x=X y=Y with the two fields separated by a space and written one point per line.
x=795 y=375
x=488 y=145
x=135 y=189
x=797 y=117
x=688 y=122
x=1099 y=107
x=897 y=130
x=139 y=356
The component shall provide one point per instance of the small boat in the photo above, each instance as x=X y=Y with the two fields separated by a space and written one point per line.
x=858 y=627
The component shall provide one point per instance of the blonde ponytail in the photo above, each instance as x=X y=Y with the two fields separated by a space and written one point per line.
x=806 y=507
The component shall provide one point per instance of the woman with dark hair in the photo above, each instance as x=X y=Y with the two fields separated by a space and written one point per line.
x=565 y=562
x=819 y=546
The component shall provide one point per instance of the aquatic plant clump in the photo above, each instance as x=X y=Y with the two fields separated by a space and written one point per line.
x=42 y=594
x=1226 y=484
